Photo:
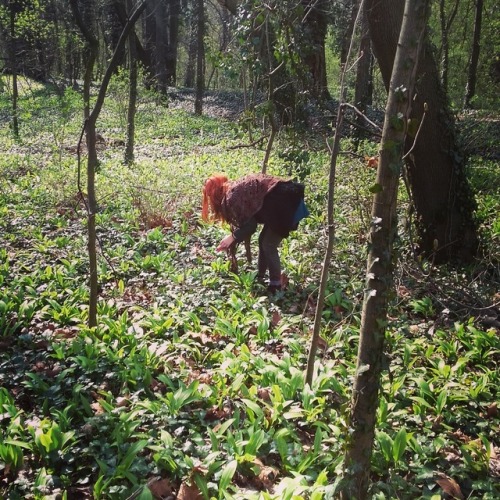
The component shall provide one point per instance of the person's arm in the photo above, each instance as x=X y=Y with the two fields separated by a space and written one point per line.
x=238 y=235
x=226 y=243
x=246 y=230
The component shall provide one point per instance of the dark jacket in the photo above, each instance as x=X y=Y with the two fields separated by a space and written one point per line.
x=262 y=199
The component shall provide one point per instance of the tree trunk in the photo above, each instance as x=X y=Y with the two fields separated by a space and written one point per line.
x=149 y=37
x=113 y=25
x=445 y=24
x=92 y=52
x=272 y=136
x=90 y=130
x=352 y=6
x=13 y=68
x=441 y=194
x=230 y=5
x=200 y=56
x=363 y=88
x=330 y=215
x=161 y=45
x=379 y=265
x=132 y=95
x=172 y=41
x=444 y=45
x=190 y=75
x=315 y=28
x=142 y=55
x=166 y=36
x=330 y=242
x=470 y=89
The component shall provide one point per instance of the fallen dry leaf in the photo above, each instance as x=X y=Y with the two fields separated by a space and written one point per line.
x=189 y=492
x=492 y=411
x=284 y=281
x=160 y=488
x=339 y=310
x=122 y=401
x=275 y=318
x=98 y=409
x=264 y=394
x=203 y=338
x=322 y=344
x=268 y=476
x=157 y=386
x=450 y=486
x=216 y=413
x=66 y=333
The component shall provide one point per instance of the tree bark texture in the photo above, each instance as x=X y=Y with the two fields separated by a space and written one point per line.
x=230 y=5
x=315 y=28
x=320 y=303
x=142 y=55
x=172 y=41
x=149 y=37
x=445 y=22
x=132 y=94
x=379 y=281
x=92 y=53
x=363 y=87
x=441 y=194
x=92 y=50
x=200 y=56
x=470 y=89
x=161 y=45
x=190 y=74
x=161 y=34
x=13 y=69
x=92 y=160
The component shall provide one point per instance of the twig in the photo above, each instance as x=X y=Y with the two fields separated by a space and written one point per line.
x=354 y=108
x=139 y=490
x=238 y=146
x=417 y=133
x=82 y=196
x=372 y=133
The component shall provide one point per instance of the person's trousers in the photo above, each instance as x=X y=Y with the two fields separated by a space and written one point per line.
x=269 y=258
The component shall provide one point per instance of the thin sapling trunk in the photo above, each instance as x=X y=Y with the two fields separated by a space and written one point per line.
x=379 y=280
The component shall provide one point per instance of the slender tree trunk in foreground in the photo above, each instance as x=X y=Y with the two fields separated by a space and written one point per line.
x=329 y=247
x=440 y=190
x=90 y=130
x=330 y=211
x=132 y=95
x=92 y=48
x=380 y=259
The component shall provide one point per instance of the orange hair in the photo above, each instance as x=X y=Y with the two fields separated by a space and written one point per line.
x=213 y=193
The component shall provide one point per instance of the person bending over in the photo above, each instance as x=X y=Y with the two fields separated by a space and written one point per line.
x=255 y=199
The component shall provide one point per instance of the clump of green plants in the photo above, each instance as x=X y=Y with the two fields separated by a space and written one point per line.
x=193 y=379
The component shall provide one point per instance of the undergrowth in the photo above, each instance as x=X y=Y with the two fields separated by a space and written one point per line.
x=193 y=382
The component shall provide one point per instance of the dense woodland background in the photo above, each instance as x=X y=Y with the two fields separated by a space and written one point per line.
x=133 y=362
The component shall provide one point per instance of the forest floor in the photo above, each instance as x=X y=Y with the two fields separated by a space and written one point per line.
x=192 y=385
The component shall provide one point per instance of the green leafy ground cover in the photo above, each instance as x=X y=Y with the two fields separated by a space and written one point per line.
x=192 y=386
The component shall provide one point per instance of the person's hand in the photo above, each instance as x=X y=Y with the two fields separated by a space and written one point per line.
x=226 y=243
